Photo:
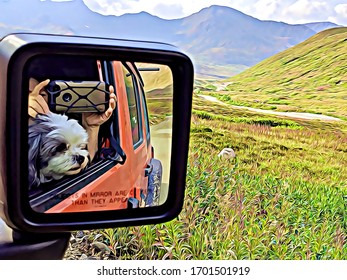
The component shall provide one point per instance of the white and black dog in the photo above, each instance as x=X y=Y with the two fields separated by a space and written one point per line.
x=57 y=147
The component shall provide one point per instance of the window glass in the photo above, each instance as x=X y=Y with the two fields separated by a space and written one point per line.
x=132 y=103
x=144 y=105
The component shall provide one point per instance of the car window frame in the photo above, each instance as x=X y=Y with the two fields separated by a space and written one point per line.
x=138 y=105
x=146 y=115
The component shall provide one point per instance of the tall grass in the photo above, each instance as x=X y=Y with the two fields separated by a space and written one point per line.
x=284 y=196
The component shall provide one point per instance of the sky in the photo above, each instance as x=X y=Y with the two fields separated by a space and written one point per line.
x=289 y=11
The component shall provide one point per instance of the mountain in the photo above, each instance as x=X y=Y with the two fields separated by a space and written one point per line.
x=224 y=35
x=310 y=77
x=221 y=40
x=74 y=17
x=320 y=26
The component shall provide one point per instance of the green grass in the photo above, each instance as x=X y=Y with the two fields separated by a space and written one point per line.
x=154 y=80
x=284 y=196
x=310 y=75
x=159 y=103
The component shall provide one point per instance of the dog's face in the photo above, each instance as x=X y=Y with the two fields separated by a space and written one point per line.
x=57 y=147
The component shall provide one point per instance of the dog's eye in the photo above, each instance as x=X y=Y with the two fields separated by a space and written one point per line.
x=61 y=148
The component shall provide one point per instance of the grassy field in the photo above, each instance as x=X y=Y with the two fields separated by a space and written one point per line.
x=284 y=195
x=310 y=77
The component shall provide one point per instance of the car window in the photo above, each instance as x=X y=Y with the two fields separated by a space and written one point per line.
x=133 y=106
x=144 y=106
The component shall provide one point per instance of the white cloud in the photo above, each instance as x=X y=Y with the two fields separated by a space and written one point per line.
x=291 y=11
x=266 y=9
x=168 y=10
x=341 y=10
x=110 y=7
x=305 y=10
x=340 y=14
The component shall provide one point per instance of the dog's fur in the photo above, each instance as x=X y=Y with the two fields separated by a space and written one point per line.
x=57 y=147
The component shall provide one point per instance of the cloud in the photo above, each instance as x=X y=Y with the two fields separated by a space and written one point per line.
x=305 y=10
x=340 y=14
x=266 y=9
x=341 y=10
x=111 y=7
x=168 y=10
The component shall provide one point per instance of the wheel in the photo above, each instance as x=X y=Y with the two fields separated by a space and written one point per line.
x=154 y=183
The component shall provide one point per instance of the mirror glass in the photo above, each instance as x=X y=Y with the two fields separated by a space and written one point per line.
x=99 y=133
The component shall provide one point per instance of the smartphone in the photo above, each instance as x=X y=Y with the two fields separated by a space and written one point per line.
x=77 y=96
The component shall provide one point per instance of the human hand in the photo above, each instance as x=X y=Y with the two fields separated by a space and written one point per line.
x=91 y=120
x=37 y=103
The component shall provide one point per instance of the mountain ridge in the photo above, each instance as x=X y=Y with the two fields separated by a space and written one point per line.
x=216 y=36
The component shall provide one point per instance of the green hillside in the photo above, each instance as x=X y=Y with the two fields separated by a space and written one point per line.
x=159 y=91
x=155 y=80
x=310 y=77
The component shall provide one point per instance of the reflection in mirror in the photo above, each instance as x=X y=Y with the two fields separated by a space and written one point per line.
x=99 y=134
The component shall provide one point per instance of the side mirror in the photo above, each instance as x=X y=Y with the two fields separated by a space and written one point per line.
x=67 y=160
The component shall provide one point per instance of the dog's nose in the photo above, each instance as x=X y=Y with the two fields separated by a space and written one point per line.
x=79 y=159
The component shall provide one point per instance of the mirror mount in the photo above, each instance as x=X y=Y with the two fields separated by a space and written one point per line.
x=35 y=246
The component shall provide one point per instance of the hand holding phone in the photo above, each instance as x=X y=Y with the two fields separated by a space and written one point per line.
x=78 y=97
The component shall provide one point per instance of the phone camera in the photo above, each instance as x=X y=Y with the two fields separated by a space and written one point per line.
x=67 y=97
x=56 y=88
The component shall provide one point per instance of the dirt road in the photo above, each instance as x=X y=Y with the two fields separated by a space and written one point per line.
x=306 y=116
x=5 y=232
x=161 y=141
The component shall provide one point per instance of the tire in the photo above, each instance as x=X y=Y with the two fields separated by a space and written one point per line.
x=154 y=183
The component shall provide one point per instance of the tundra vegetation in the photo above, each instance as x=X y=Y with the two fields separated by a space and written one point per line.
x=284 y=195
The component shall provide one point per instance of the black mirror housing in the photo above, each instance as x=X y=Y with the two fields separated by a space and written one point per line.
x=16 y=51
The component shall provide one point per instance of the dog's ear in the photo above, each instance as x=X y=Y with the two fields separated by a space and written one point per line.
x=40 y=126
x=34 y=141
